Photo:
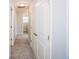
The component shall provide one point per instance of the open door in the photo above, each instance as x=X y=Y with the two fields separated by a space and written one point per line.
x=43 y=34
x=41 y=38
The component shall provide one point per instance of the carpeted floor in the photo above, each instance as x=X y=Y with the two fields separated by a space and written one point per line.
x=22 y=49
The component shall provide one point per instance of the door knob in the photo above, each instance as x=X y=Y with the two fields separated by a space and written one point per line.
x=48 y=37
x=35 y=34
x=10 y=26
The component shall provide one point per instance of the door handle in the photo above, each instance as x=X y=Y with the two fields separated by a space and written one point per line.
x=48 y=37
x=10 y=26
x=35 y=34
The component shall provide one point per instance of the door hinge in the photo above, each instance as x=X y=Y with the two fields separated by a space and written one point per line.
x=48 y=37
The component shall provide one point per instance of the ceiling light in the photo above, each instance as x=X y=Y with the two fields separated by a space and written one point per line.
x=22 y=5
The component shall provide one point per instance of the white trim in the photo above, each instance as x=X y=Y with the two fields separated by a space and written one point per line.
x=67 y=29
x=51 y=27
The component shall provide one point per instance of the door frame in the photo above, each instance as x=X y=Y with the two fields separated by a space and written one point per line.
x=51 y=27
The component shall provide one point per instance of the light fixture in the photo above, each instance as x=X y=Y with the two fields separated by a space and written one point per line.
x=21 y=5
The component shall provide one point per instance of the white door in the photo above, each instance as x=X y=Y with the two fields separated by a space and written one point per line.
x=10 y=21
x=42 y=27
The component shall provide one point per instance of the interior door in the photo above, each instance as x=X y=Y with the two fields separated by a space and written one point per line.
x=10 y=21
x=43 y=40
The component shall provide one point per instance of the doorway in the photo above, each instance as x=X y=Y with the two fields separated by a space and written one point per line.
x=25 y=24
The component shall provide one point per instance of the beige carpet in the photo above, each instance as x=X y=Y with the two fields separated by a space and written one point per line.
x=22 y=49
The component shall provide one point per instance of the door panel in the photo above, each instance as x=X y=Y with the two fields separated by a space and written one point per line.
x=35 y=44
x=41 y=48
x=40 y=26
x=43 y=42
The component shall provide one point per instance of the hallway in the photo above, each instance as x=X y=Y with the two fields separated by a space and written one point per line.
x=46 y=23
x=22 y=49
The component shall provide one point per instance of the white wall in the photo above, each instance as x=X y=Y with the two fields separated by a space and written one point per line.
x=60 y=29
x=32 y=21
x=19 y=24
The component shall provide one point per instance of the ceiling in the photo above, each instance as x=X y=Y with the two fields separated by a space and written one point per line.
x=17 y=2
